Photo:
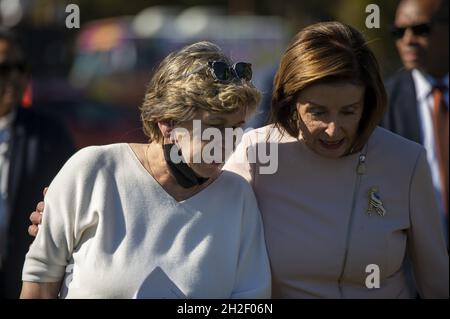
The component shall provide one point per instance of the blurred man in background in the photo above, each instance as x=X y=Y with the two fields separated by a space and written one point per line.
x=418 y=95
x=33 y=148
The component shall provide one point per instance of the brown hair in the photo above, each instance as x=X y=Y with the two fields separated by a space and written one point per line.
x=174 y=94
x=328 y=52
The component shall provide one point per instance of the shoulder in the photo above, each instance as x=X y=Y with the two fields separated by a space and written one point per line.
x=398 y=79
x=235 y=184
x=393 y=148
x=238 y=197
x=238 y=190
x=93 y=159
x=89 y=170
x=266 y=134
x=400 y=88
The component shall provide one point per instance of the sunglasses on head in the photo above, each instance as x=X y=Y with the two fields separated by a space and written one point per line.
x=418 y=30
x=223 y=72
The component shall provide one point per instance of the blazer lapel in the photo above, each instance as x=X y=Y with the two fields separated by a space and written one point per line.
x=16 y=163
x=407 y=116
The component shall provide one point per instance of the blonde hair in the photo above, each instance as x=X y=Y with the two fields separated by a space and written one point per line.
x=174 y=94
x=328 y=52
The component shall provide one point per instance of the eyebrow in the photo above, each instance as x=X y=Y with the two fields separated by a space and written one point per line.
x=313 y=104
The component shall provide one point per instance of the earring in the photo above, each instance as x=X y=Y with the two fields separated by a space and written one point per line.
x=179 y=149
x=294 y=113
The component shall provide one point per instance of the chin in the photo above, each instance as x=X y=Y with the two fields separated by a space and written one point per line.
x=332 y=153
x=411 y=65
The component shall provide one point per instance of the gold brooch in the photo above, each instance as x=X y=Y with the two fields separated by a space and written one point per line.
x=375 y=203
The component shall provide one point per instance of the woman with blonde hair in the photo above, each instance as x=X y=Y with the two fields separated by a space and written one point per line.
x=129 y=221
x=349 y=199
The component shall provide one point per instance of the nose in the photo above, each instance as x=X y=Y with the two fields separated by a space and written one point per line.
x=409 y=37
x=332 y=129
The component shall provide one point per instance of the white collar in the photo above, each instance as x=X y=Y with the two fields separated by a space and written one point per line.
x=424 y=83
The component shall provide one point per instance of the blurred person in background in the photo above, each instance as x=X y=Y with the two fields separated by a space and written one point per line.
x=418 y=94
x=32 y=150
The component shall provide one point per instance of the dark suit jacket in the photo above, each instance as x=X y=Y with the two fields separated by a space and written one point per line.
x=402 y=116
x=40 y=146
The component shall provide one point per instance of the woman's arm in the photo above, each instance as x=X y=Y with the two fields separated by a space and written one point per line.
x=34 y=290
x=66 y=213
x=253 y=277
x=426 y=242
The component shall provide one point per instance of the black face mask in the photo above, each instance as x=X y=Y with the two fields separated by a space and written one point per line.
x=184 y=175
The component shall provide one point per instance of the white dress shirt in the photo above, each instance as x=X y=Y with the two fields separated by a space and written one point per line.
x=424 y=84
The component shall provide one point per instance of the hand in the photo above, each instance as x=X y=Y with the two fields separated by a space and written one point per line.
x=36 y=217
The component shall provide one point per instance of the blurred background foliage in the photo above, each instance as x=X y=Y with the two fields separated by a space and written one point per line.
x=44 y=14
x=95 y=77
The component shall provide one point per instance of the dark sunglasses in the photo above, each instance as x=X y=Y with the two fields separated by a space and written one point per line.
x=418 y=30
x=222 y=72
x=9 y=67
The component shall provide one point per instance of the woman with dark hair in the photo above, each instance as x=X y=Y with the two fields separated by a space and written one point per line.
x=349 y=199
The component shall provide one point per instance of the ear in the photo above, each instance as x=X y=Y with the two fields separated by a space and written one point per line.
x=166 y=128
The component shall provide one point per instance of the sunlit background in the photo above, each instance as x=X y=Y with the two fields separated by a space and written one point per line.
x=94 y=78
